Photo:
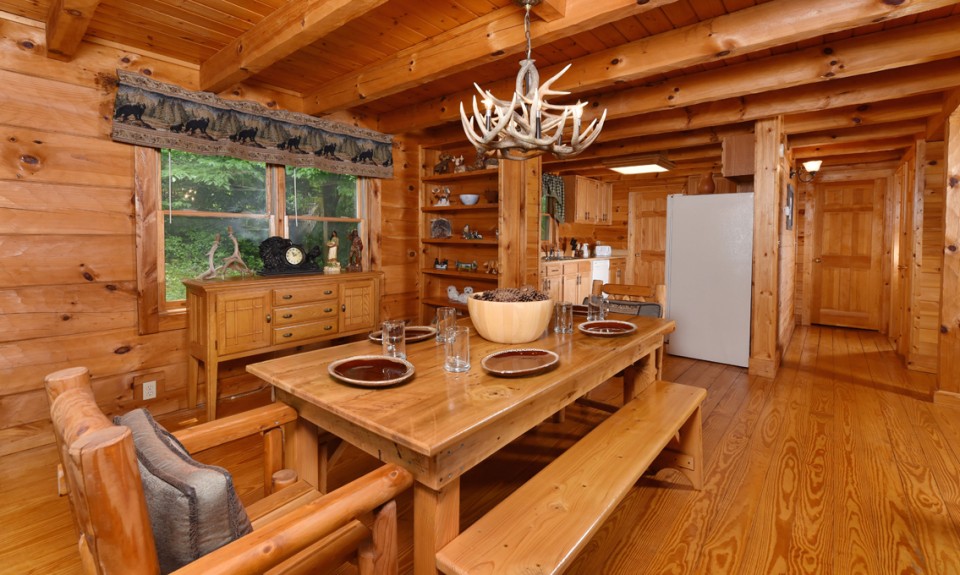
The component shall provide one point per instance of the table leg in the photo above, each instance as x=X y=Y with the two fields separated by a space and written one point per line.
x=436 y=521
x=193 y=381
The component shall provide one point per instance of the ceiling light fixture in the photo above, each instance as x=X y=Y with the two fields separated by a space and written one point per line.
x=808 y=170
x=640 y=164
x=527 y=125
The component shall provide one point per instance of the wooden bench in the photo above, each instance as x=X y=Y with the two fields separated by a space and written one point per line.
x=542 y=526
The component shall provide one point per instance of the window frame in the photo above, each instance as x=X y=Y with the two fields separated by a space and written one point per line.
x=155 y=314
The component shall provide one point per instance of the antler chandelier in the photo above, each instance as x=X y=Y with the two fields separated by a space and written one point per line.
x=527 y=125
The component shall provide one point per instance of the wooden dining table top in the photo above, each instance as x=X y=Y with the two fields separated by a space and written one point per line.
x=437 y=410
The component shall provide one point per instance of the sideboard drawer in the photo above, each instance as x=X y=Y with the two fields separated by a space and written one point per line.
x=303 y=313
x=303 y=294
x=304 y=331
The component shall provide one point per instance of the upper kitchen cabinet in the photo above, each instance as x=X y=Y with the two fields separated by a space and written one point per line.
x=588 y=201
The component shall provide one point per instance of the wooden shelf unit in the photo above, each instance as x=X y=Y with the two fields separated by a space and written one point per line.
x=507 y=193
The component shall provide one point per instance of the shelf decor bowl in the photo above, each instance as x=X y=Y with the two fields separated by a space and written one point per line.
x=509 y=322
x=469 y=199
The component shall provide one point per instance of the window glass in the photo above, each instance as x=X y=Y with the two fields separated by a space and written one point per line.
x=201 y=197
x=318 y=205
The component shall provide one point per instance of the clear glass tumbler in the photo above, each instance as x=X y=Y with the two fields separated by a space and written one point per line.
x=456 y=356
x=446 y=319
x=563 y=317
x=393 y=338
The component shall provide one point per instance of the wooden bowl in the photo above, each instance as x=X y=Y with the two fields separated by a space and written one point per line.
x=510 y=322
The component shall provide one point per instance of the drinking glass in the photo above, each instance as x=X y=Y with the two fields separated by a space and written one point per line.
x=393 y=338
x=456 y=351
x=563 y=317
x=446 y=319
x=595 y=307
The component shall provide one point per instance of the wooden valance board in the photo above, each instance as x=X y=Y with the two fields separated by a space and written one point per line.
x=158 y=115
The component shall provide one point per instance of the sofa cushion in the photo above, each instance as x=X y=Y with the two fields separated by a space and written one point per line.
x=193 y=507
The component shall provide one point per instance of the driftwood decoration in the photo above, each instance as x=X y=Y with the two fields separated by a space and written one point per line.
x=157 y=115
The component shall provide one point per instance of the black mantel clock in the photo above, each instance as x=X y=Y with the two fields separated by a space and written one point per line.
x=282 y=256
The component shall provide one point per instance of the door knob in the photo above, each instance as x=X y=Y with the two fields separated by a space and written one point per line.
x=817 y=260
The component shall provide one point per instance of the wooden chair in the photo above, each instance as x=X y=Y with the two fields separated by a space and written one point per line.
x=650 y=368
x=295 y=530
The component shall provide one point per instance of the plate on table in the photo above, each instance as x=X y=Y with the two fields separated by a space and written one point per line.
x=607 y=328
x=413 y=333
x=371 y=370
x=519 y=362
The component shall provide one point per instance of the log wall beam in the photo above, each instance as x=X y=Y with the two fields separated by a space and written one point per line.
x=494 y=37
x=949 y=343
x=861 y=115
x=846 y=135
x=296 y=25
x=740 y=32
x=67 y=23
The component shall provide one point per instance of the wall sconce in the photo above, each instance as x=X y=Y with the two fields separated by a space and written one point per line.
x=808 y=170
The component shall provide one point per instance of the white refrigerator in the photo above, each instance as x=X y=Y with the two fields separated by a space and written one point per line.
x=709 y=272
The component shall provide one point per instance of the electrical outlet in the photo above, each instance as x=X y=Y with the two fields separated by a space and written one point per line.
x=150 y=389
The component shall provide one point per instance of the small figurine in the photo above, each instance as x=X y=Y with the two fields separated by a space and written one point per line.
x=441 y=229
x=452 y=293
x=332 y=266
x=443 y=166
x=467 y=292
x=466 y=266
x=458 y=165
x=356 y=251
x=491 y=267
x=439 y=264
x=442 y=196
x=466 y=232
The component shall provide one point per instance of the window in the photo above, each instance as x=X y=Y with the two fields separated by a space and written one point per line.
x=185 y=200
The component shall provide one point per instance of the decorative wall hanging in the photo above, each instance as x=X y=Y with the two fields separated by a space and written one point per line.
x=157 y=115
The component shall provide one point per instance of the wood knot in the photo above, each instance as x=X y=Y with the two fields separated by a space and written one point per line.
x=28 y=159
x=66 y=317
x=615 y=61
x=122 y=350
x=146 y=72
x=951 y=248
x=723 y=53
x=88 y=276
x=943 y=329
x=110 y=287
x=27 y=45
x=954 y=181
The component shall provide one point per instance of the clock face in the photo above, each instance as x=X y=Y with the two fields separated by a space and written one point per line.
x=294 y=256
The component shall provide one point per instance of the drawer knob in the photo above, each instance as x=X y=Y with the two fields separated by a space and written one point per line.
x=327 y=292
x=327 y=327
x=288 y=296
x=268 y=318
x=287 y=315
x=327 y=310
x=288 y=334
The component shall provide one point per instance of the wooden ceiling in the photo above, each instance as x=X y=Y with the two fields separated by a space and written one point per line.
x=856 y=80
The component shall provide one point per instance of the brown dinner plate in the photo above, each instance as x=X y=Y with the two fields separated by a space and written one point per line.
x=607 y=328
x=519 y=362
x=371 y=370
x=412 y=333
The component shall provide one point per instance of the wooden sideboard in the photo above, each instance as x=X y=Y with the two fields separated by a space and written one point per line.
x=233 y=318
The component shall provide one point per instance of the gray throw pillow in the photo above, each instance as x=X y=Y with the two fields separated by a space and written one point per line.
x=193 y=507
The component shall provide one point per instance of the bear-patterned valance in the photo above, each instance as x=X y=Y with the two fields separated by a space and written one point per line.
x=157 y=115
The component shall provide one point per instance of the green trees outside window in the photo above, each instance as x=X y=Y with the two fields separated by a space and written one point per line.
x=204 y=196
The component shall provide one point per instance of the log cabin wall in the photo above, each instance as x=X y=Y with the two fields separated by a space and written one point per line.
x=928 y=258
x=68 y=290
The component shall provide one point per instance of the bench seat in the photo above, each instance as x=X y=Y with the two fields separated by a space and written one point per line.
x=542 y=526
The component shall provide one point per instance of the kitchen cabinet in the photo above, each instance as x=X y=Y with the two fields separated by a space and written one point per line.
x=588 y=201
x=238 y=317
x=566 y=280
x=618 y=270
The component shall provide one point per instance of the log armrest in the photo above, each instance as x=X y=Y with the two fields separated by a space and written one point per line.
x=219 y=431
x=281 y=539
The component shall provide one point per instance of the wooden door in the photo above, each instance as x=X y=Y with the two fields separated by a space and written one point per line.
x=846 y=257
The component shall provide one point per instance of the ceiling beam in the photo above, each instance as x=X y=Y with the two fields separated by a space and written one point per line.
x=887 y=50
x=863 y=114
x=493 y=37
x=879 y=131
x=67 y=23
x=861 y=147
x=550 y=10
x=869 y=89
x=740 y=32
x=297 y=24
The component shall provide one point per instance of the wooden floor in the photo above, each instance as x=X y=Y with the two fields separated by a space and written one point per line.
x=841 y=465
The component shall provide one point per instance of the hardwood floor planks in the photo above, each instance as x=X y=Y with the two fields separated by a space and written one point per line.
x=841 y=465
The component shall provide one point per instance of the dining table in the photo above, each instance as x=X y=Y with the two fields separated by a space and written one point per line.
x=439 y=424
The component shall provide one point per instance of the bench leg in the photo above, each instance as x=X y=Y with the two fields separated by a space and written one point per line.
x=685 y=452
